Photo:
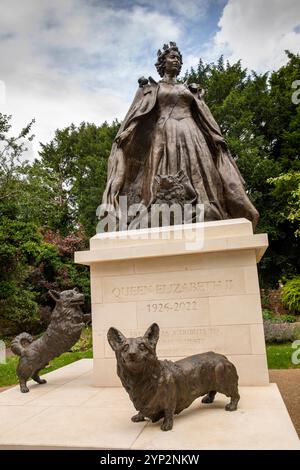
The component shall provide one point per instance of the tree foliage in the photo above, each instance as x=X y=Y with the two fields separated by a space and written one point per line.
x=33 y=257
x=77 y=159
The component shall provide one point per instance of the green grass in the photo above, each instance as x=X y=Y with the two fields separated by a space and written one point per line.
x=280 y=356
x=8 y=371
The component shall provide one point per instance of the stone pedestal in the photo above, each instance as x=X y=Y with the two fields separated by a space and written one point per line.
x=198 y=282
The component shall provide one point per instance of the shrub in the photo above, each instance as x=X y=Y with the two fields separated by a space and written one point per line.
x=279 y=332
x=291 y=294
x=85 y=341
x=18 y=308
x=287 y=319
x=267 y=315
x=30 y=266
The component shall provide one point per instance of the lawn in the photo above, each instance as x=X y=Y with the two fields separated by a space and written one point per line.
x=8 y=371
x=280 y=356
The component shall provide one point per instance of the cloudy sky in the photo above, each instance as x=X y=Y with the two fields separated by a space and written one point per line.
x=64 y=61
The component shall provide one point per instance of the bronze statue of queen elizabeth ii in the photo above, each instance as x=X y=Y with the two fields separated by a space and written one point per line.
x=170 y=137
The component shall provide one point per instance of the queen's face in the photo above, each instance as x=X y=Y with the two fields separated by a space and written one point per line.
x=172 y=63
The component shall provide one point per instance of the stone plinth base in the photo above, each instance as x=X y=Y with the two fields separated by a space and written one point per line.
x=198 y=282
x=69 y=413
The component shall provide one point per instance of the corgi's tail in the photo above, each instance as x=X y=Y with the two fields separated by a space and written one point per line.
x=20 y=343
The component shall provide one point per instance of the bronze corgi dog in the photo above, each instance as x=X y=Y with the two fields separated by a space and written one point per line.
x=160 y=389
x=67 y=321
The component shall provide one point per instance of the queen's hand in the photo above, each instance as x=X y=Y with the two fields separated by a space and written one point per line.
x=122 y=137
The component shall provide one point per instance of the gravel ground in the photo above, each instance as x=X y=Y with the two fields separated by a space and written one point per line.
x=288 y=381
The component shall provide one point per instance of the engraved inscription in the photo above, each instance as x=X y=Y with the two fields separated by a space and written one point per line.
x=131 y=291
x=176 y=342
x=180 y=313
x=174 y=288
x=172 y=306
x=174 y=285
x=189 y=335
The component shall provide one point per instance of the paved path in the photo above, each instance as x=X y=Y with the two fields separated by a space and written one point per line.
x=288 y=381
x=5 y=388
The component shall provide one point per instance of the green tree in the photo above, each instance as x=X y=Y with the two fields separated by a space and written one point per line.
x=16 y=238
x=32 y=258
x=77 y=159
x=287 y=193
x=12 y=165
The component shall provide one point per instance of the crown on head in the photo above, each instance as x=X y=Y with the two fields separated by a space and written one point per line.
x=167 y=48
x=161 y=54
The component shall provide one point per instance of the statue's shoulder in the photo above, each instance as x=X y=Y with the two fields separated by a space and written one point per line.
x=147 y=84
x=196 y=89
x=142 y=81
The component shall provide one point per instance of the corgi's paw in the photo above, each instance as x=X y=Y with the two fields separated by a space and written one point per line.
x=137 y=418
x=167 y=425
x=207 y=399
x=231 y=407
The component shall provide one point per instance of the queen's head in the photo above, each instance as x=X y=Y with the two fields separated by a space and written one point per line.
x=169 y=60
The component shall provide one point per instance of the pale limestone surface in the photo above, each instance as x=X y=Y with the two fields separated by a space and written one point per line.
x=69 y=412
x=204 y=298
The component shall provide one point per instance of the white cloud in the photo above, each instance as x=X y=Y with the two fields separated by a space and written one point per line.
x=190 y=9
x=191 y=60
x=72 y=61
x=58 y=110
x=258 y=32
x=66 y=61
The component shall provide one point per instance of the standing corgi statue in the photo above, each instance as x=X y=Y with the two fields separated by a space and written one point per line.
x=160 y=389
x=64 y=330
